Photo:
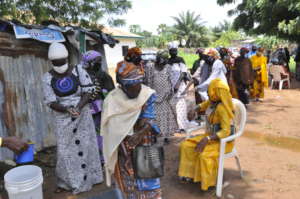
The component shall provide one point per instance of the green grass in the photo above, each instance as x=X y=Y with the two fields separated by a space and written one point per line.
x=189 y=58
x=292 y=65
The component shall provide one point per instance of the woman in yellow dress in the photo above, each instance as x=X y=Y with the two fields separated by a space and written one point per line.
x=259 y=65
x=199 y=156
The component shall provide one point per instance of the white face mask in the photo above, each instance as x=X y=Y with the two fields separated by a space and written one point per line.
x=61 y=69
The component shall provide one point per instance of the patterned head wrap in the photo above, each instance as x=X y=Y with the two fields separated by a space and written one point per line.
x=128 y=73
x=212 y=53
x=163 y=54
x=246 y=50
x=219 y=91
x=89 y=56
x=135 y=51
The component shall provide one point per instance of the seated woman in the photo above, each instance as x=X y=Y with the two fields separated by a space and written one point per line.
x=128 y=121
x=199 y=155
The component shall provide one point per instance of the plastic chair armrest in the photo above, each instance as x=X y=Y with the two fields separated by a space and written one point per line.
x=230 y=138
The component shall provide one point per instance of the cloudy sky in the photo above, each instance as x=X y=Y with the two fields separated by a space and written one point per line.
x=150 y=13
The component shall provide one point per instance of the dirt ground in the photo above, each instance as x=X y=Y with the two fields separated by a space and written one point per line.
x=269 y=153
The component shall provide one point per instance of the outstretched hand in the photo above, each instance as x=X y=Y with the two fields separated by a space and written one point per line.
x=15 y=144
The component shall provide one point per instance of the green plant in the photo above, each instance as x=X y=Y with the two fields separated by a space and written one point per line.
x=226 y=38
x=189 y=27
x=189 y=58
x=270 y=42
x=292 y=65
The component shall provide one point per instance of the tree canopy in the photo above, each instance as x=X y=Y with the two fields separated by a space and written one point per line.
x=270 y=42
x=81 y=12
x=219 y=29
x=272 y=17
x=190 y=27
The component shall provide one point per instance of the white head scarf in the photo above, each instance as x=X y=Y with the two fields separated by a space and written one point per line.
x=173 y=44
x=57 y=51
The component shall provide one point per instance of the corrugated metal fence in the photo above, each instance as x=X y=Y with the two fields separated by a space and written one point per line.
x=22 y=112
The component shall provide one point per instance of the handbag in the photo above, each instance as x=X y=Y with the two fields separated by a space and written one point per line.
x=148 y=162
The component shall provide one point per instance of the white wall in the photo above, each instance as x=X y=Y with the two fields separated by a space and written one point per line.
x=114 y=55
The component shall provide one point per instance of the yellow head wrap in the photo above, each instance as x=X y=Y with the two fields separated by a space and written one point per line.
x=219 y=91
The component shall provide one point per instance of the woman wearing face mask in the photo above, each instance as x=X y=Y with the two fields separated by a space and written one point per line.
x=243 y=75
x=259 y=65
x=91 y=61
x=181 y=80
x=128 y=121
x=160 y=81
x=218 y=70
x=199 y=155
x=66 y=92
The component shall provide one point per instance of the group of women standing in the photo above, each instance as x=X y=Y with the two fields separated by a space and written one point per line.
x=246 y=74
x=170 y=78
x=84 y=100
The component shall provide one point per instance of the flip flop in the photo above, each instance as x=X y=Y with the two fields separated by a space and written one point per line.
x=60 y=190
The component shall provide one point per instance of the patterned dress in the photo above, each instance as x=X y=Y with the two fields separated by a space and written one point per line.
x=177 y=69
x=78 y=165
x=164 y=106
x=131 y=187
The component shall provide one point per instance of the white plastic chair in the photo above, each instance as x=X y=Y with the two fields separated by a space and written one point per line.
x=276 y=71
x=240 y=116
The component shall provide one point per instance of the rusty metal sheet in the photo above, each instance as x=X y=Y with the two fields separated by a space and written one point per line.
x=22 y=111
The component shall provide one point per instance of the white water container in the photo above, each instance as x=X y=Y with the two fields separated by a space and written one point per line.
x=24 y=182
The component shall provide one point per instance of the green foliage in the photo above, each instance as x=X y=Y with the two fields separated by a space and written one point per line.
x=272 y=17
x=82 y=12
x=189 y=27
x=136 y=29
x=292 y=65
x=226 y=38
x=166 y=34
x=270 y=42
x=188 y=57
x=221 y=28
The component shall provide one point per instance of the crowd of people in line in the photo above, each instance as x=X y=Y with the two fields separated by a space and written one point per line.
x=142 y=113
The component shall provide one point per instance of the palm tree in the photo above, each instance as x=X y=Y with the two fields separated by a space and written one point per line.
x=189 y=27
x=162 y=28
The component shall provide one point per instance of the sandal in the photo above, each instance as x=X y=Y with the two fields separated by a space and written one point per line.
x=60 y=190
